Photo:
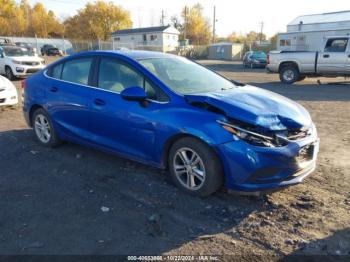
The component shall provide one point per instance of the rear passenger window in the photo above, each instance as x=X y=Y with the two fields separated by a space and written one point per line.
x=77 y=70
x=56 y=71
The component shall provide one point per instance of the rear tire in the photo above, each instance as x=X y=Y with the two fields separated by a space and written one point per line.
x=44 y=130
x=202 y=174
x=289 y=74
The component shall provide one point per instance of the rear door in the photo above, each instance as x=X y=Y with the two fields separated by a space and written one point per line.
x=68 y=96
x=334 y=58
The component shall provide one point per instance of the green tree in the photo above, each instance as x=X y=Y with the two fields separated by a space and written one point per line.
x=97 y=21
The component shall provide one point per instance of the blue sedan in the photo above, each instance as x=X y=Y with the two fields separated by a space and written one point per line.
x=171 y=113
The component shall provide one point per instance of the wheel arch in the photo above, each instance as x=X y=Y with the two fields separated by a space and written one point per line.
x=31 y=113
x=288 y=63
x=173 y=139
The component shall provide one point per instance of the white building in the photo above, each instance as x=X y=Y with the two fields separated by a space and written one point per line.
x=160 y=38
x=308 y=32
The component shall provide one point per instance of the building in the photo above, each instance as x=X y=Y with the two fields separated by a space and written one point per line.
x=226 y=51
x=308 y=32
x=160 y=38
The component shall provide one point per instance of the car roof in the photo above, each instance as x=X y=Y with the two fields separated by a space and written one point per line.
x=133 y=54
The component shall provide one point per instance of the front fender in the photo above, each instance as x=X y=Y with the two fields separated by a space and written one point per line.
x=199 y=124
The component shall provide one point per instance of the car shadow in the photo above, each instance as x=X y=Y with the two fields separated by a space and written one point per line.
x=76 y=200
x=304 y=91
x=335 y=247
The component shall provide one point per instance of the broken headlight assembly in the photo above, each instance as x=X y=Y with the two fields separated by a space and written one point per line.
x=253 y=137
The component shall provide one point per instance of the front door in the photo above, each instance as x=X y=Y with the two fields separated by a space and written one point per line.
x=334 y=58
x=126 y=127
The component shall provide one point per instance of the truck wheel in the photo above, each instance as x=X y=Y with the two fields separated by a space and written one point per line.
x=9 y=74
x=289 y=74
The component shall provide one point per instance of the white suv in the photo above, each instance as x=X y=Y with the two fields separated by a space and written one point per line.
x=17 y=62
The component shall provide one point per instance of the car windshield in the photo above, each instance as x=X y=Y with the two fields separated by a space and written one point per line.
x=185 y=77
x=15 y=51
x=259 y=55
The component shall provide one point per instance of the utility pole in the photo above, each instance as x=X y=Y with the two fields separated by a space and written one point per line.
x=261 y=31
x=185 y=26
x=162 y=18
x=214 y=21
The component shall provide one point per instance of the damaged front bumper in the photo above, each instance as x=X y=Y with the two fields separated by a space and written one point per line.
x=251 y=168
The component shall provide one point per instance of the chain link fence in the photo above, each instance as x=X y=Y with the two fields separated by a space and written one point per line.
x=71 y=46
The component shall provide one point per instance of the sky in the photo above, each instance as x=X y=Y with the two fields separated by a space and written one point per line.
x=232 y=16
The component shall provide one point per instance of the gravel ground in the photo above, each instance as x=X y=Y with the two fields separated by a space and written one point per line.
x=75 y=200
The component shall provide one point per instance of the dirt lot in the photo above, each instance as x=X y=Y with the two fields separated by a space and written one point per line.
x=52 y=200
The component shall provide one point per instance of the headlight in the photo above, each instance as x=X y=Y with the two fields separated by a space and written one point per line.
x=251 y=137
x=16 y=62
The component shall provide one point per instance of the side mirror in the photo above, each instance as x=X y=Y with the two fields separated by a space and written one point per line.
x=134 y=93
x=1 y=55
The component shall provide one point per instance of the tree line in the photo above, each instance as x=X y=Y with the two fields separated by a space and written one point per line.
x=97 y=20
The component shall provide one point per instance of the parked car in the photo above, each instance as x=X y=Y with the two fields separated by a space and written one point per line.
x=17 y=62
x=294 y=66
x=5 y=41
x=51 y=50
x=168 y=112
x=254 y=59
x=32 y=50
x=8 y=92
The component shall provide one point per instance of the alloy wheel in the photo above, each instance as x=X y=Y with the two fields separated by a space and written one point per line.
x=189 y=168
x=42 y=128
x=288 y=75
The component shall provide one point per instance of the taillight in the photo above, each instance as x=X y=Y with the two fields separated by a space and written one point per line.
x=268 y=59
x=23 y=83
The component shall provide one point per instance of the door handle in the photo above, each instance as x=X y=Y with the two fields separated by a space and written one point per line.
x=326 y=56
x=99 y=102
x=53 y=89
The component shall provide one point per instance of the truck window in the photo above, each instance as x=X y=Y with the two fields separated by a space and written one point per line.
x=336 y=45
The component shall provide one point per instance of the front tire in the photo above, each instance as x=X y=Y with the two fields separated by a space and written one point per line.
x=44 y=130
x=194 y=167
x=9 y=74
x=289 y=75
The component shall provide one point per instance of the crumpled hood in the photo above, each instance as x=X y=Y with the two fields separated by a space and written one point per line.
x=257 y=106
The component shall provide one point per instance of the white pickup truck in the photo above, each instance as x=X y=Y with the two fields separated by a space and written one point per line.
x=294 y=66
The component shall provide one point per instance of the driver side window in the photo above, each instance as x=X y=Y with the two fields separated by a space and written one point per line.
x=115 y=76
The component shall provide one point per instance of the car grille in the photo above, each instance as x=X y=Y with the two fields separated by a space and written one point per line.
x=32 y=70
x=31 y=63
